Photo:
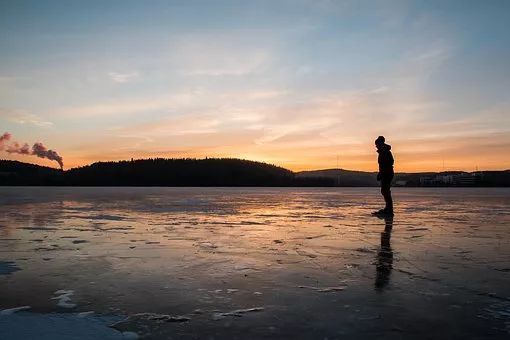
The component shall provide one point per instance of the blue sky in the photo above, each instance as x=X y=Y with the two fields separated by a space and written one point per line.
x=296 y=83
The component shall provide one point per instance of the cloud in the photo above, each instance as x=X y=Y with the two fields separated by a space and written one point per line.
x=24 y=118
x=121 y=78
x=33 y=120
x=310 y=131
x=181 y=101
x=124 y=107
x=225 y=53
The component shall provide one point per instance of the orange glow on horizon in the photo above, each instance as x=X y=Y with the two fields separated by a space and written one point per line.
x=367 y=162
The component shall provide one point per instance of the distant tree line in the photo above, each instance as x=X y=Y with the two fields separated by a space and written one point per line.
x=420 y=179
x=158 y=172
x=225 y=172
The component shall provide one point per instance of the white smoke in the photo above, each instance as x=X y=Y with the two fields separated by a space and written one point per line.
x=38 y=149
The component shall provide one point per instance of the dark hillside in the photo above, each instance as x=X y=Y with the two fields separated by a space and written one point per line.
x=180 y=172
x=343 y=178
x=227 y=172
x=19 y=173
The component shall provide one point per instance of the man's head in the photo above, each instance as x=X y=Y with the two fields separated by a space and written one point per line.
x=379 y=142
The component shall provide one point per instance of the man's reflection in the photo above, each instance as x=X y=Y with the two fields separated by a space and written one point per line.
x=384 y=262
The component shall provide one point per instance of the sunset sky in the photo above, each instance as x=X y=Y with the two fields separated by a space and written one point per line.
x=301 y=84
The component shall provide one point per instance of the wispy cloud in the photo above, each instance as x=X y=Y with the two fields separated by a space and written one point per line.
x=121 y=78
x=123 y=107
x=181 y=101
x=22 y=117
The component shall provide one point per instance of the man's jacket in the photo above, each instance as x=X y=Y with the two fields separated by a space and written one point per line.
x=386 y=161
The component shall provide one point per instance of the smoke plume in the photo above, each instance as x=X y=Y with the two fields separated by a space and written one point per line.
x=3 y=139
x=38 y=149
x=15 y=147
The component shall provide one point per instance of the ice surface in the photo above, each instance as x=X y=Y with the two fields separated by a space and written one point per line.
x=312 y=262
x=8 y=267
x=55 y=326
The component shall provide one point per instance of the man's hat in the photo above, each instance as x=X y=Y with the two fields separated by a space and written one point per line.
x=380 y=140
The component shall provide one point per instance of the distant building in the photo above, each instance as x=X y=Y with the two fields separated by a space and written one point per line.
x=447 y=179
x=467 y=179
x=430 y=180
x=463 y=179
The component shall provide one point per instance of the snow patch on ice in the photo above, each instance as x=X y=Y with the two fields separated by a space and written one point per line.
x=13 y=310
x=364 y=250
x=156 y=317
x=236 y=313
x=129 y=335
x=64 y=298
x=85 y=314
x=324 y=289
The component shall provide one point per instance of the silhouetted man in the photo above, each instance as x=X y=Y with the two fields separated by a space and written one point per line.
x=385 y=175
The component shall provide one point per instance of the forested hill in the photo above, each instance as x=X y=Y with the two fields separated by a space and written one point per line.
x=226 y=172
x=180 y=172
x=345 y=178
x=158 y=172
x=19 y=173
x=342 y=177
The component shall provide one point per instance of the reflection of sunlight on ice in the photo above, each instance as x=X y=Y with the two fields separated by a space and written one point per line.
x=221 y=250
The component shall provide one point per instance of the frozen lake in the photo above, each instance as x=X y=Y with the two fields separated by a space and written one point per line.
x=219 y=263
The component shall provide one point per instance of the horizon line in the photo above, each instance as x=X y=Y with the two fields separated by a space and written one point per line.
x=244 y=159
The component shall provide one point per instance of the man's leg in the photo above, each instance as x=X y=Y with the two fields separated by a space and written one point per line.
x=386 y=192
